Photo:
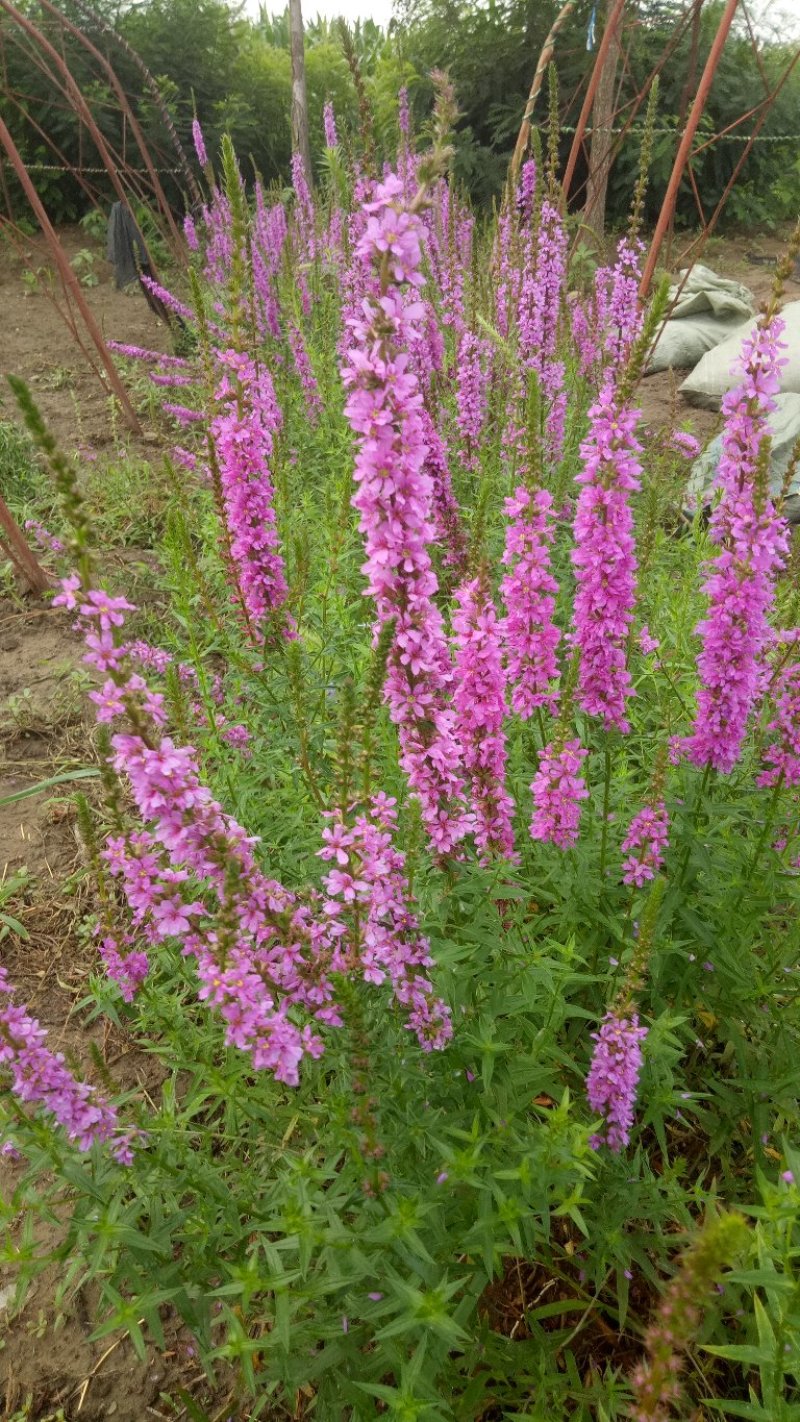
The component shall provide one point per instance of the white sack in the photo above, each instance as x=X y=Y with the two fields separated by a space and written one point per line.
x=720 y=370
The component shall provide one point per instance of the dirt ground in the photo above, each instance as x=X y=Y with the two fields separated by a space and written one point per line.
x=46 y=1360
x=37 y=344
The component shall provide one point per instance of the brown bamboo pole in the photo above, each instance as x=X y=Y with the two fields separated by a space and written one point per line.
x=16 y=546
x=546 y=55
x=685 y=145
x=129 y=115
x=68 y=278
x=583 y=118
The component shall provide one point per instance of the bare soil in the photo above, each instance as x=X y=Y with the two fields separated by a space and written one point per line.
x=47 y=1362
x=38 y=345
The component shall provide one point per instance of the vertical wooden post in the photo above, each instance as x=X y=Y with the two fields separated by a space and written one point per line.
x=300 y=136
x=600 y=156
x=583 y=117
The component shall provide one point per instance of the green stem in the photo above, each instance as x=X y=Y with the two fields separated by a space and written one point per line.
x=606 y=810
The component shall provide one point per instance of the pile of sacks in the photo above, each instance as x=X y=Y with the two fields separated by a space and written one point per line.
x=710 y=319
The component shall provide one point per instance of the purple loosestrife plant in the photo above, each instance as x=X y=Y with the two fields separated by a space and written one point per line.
x=480 y=704
x=740 y=581
x=384 y=408
x=604 y=557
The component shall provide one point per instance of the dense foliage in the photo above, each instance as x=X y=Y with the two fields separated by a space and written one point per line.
x=446 y=863
x=235 y=74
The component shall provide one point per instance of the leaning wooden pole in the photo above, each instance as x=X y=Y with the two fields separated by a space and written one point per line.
x=685 y=145
x=13 y=543
x=130 y=117
x=68 y=278
x=583 y=118
x=523 y=137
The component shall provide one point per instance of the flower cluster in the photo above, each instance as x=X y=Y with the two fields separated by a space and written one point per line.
x=40 y=1077
x=782 y=755
x=242 y=435
x=558 y=789
x=372 y=924
x=740 y=581
x=645 y=844
x=614 y=1077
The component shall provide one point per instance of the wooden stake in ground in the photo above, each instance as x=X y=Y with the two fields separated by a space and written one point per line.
x=300 y=138
x=600 y=157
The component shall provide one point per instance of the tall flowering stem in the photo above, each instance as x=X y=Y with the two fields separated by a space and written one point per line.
x=242 y=435
x=480 y=704
x=655 y=1382
x=604 y=557
x=394 y=503
x=740 y=580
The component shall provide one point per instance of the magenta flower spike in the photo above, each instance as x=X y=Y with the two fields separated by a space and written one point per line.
x=558 y=789
x=740 y=581
x=604 y=557
x=393 y=499
x=480 y=704
x=529 y=591
x=39 y=1077
x=645 y=844
x=614 y=1077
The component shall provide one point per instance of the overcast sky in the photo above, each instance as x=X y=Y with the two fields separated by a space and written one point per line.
x=784 y=14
